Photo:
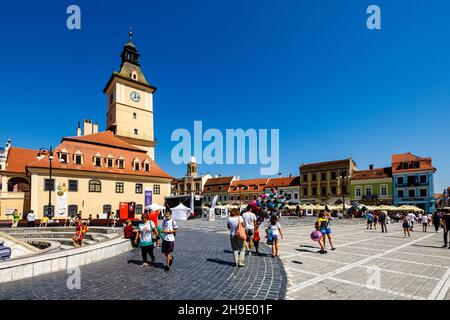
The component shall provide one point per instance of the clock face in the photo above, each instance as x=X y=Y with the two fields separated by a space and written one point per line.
x=135 y=96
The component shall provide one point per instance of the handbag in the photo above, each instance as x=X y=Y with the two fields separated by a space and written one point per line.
x=240 y=232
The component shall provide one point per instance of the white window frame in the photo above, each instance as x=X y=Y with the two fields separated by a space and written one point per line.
x=358 y=188
x=381 y=190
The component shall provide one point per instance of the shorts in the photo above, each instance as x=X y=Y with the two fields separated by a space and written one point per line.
x=325 y=231
x=167 y=246
x=250 y=233
x=275 y=237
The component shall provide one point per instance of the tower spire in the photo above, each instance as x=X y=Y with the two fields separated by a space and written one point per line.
x=130 y=33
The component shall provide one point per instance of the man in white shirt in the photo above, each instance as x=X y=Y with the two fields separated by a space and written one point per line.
x=31 y=217
x=250 y=223
x=411 y=217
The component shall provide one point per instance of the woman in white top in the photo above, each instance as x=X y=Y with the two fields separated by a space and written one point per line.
x=237 y=244
x=275 y=232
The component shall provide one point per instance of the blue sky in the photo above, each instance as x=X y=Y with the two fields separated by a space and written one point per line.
x=310 y=68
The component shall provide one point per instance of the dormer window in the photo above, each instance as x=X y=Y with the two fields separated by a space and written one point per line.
x=121 y=163
x=147 y=166
x=64 y=158
x=136 y=164
x=97 y=161
x=78 y=159
x=110 y=162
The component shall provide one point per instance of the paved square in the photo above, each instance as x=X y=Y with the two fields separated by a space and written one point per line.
x=367 y=264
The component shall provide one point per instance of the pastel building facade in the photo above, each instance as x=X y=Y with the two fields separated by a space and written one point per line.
x=413 y=181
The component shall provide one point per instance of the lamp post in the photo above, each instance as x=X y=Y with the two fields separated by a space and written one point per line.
x=344 y=178
x=49 y=153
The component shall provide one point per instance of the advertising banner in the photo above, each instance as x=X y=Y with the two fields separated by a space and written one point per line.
x=61 y=200
x=148 y=197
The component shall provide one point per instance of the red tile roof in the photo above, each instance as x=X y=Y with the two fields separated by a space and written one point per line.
x=410 y=159
x=105 y=138
x=103 y=144
x=218 y=181
x=253 y=186
x=19 y=158
x=283 y=182
x=379 y=173
x=221 y=184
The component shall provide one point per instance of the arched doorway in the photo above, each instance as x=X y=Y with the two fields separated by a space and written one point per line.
x=18 y=184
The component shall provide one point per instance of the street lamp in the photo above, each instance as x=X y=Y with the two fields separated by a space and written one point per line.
x=344 y=178
x=48 y=152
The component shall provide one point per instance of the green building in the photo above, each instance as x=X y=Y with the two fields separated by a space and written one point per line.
x=373 y=186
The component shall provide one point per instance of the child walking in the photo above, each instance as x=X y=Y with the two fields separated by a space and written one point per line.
x=169 y=230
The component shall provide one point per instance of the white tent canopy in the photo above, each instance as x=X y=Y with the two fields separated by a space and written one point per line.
x=155 y=207
x=180 y=212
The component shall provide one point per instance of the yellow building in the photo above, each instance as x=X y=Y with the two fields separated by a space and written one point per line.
x=95 y=171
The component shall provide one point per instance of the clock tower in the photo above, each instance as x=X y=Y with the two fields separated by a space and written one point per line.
x=130 y=102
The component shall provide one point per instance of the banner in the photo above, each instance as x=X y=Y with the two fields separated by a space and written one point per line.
x=61 y=200
x=148 y=197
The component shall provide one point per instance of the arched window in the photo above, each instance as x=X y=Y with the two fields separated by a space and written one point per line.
x=95 y=186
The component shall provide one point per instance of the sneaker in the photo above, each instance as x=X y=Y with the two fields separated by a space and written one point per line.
x=444 y=246
x=333 y=248
x=144 y=264
x=166 y=268
x=171 y=261
x=241 y=265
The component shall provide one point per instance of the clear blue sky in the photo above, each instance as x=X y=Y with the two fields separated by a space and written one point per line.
x=309 y=68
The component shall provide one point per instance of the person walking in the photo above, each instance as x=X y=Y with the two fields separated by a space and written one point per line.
x=144 y=234
x=446 y=226
x=412 y=218
x=326 y=232
x=31 y=217
x=16 y=218
x=436 y=221
x=320 y=225
x=250 y=223
x=406 y=227
x=375 y=220
x=383 y=218
x=275 y=232
x=169 y=229
x=369 y=218
x=424 y=223
x=237 y=244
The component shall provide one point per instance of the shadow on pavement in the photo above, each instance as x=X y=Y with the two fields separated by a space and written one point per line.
x=157 y=265
x=307 y=250
x=220 y=261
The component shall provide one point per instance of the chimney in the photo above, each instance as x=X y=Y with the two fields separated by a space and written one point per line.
x=95 y=128
x=370 y=166
x=87 y=127
x=79 y=129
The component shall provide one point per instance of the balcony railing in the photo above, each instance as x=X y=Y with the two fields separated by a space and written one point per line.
x=15 y=195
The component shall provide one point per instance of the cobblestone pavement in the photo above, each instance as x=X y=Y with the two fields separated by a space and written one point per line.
x=202 y=269
x=367 y=264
